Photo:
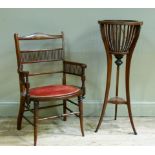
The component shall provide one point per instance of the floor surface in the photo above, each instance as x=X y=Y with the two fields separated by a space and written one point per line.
x=57 y=132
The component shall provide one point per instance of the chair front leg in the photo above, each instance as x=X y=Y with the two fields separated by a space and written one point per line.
x=36 y=106
x=64 y=109
x=21 y=111
x=80 y=102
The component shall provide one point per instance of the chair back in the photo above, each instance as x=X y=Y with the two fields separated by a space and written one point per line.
x=30 y=48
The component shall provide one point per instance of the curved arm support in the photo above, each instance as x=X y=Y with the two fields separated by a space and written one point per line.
x=77 y=69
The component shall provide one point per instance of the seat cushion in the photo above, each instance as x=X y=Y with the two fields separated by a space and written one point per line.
x=53 y=91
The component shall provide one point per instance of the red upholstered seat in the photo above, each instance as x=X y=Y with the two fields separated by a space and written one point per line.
x=53 y=91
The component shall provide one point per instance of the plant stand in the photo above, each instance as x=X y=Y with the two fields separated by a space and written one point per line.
x=119 y=38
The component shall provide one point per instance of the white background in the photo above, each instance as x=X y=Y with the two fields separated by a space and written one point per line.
x=77 y=4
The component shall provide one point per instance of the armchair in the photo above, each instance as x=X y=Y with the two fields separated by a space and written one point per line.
x=36 y=96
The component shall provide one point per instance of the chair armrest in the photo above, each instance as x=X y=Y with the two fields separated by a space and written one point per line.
x=23 y=73
x=24 y=81
x=23 y=76
x=74 y=68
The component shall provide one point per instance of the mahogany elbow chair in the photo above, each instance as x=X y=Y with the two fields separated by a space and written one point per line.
x=32 y=98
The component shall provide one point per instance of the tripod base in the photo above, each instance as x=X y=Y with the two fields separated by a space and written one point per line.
x=117 y=100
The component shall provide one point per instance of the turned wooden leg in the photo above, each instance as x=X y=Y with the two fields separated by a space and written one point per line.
x=20 y=114
x=80 y=102
x=109 y=69
x=36 y=106
x=127 y=75
x=64 y=109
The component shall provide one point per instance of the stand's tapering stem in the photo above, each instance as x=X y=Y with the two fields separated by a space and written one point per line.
x=118 y=62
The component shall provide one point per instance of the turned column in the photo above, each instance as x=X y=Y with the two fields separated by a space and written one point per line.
x=119 y=38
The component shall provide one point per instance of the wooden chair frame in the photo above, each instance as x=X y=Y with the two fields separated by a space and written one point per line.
x=73 y=68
